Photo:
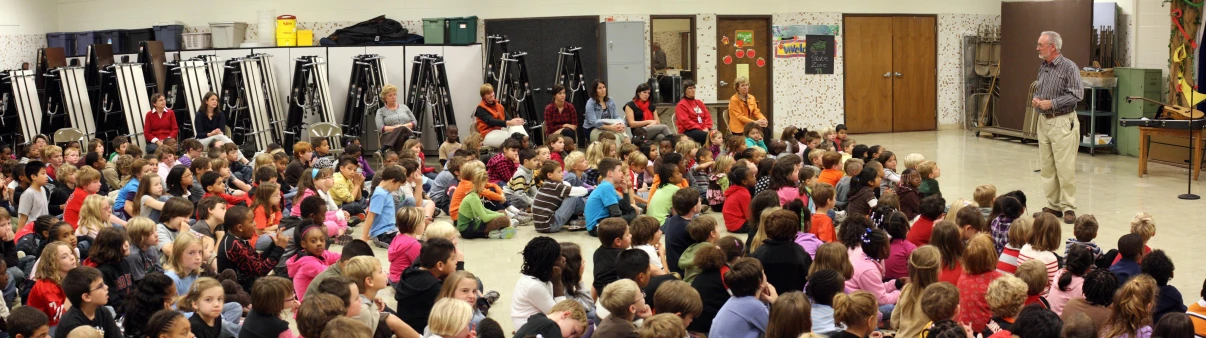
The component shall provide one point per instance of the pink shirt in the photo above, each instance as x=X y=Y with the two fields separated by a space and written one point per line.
x=868 y=276
x=403 y=251
x=1058 y=298
x=788 y=194
x=897 y=264
x=304 y=269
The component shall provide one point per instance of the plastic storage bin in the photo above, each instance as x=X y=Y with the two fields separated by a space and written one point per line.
x=82 y=40
x=136 y=36
x=115 y=37
x=170 y=35
x=194 y=41
x=462 y=31
x=66 y=41
x=228 y=34
x=434 y=31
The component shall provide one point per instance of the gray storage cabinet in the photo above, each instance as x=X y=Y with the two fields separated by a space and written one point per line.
x=622 y=48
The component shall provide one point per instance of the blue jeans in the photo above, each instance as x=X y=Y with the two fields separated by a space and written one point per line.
x=15 y=277
x=570 y=207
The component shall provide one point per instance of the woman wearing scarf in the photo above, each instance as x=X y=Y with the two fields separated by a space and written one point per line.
x=640 y=115
x=491 y=120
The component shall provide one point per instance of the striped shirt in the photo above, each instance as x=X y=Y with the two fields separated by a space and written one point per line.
x=1059 y=81
x=1049 y=259
x=548 y=199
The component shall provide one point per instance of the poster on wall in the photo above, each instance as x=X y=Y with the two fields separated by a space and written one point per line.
x=790 y=40
x=820 y=54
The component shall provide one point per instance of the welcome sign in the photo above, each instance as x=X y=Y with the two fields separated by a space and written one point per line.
x=791 y=48
x=791 y=40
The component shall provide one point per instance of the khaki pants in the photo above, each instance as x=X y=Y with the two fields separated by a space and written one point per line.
x=1059 y=140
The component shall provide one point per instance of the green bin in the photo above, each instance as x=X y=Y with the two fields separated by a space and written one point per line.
x=433 y=31
x=462 y=31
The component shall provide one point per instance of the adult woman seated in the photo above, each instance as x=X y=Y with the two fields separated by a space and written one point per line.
x=160 y=124
x=491 y=120
x=210 y=123
x=640 y=114
x=691 y=116
x=743 y=109
x=395 y=121
x=560 y=117
x=601 y=113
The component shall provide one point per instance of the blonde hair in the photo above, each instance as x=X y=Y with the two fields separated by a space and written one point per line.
x=48 y=264
x=924 y=264
x=573 y=158
x=185 y=304
x=686 y=148
x=441 y=229
x=485 y=89
x=761 y=234
x=139 y=228
x=49 y=150
x=84 y=332
x=959 y=204
x=723 y=164
x=479 y=179
x=985 y=194
x=91 y=211
x=388 y=89
x=833 y=256
x=470 y=166
x=1034 y=273
x=1006 y=295
x=1131 y=308
x=344 y=327
x=182 y=242
x=576 y=310
x=1144 y=226
x=1019 y=232
x=264 y=160
x=912 y=160
x=450 y=283
x=618 y=296
x=854 y=309
x=359 y=268
x=665 y=325
x=66 y=170
x=595 y=153
x=741 y=80
x=449 y=316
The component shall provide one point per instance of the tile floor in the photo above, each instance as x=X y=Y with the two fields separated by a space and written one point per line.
x=1107 y=186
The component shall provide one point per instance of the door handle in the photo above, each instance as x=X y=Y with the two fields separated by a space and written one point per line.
x=722 y=83
x=897 y=74
x=888 y=74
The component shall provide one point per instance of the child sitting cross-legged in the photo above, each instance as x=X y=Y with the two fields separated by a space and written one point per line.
x=420 y=284
x=520 y=188
x=474 y=219
x=380 y=215
x=87 y=292
x=311 y=238
x=553 y=206
x=235 y=252
x=737 y=198
x=603 y=202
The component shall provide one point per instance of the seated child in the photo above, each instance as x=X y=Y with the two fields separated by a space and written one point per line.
x=85 y=289
x=746 y=314
x=1034 y=273
x=647 y=236
x=843 y=187
x=686 y=206
x=1141 y=225
x=235 y=252
x=1006 y=296
x=404 y=250
x=420 y=284
x=503 y=165
x=311 y=237
x=380 y=216
x=984 y=196
x=660 y=205
x=620 y=298
x=615 y=238
x=603 y=202
x=1084 y=230
x=565 y=316
x=475 y=220
x=553 y=206
x=821 y=224
x=1130 y=252
x=520 y=189
x=366 y=273
x=1160 y=267
x=679 y=300
x=830 y=173
x=737 y=199
x=929 y=172
x=703 y=231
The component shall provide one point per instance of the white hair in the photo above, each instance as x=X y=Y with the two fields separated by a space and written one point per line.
x=1054 y=39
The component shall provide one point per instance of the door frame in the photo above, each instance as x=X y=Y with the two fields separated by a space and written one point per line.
x=694 y=44
x=769 y=102
x=936 y=58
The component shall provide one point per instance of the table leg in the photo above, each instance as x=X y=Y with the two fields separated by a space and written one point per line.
x=1143 y=148
x=1196 y=158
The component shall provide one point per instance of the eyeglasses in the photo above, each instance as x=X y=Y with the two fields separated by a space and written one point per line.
x=103 y=286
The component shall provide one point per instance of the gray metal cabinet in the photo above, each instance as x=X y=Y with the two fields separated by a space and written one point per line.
x=622 y=46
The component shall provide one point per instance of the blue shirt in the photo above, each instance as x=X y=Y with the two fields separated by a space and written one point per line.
x=382 y=206
x=183 y=284
x=1125 y=269
x=596 y=112
x=597 y=202
x=126 y=192
x=741 y=317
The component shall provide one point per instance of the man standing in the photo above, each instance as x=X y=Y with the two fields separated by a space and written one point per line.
x=1055 y=99
x=659 y=57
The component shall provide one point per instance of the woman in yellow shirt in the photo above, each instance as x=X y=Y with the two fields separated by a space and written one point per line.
x=743 y=109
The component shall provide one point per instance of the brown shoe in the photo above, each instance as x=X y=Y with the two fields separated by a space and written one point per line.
x=1057 y=213
x=1069 y=217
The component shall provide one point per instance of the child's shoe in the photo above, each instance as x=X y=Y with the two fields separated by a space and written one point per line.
x=504 y=233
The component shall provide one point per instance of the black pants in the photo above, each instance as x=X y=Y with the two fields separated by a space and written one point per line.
x=698 y=135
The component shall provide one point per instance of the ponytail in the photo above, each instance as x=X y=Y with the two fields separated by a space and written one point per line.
x=854 y=309
x=863 y=180
x=1078 y=262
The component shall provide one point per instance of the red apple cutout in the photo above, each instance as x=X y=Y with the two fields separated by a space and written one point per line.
x=761 y=62
x=740 y=53
x=728 y=59
x=739 y=43
x=749 y=52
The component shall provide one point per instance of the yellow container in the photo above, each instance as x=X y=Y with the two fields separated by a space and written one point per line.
x=305 y=37
x=286 y=30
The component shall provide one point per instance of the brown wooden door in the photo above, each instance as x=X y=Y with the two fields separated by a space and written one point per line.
x=914 y=84
x=758 y=65
x=868 y=65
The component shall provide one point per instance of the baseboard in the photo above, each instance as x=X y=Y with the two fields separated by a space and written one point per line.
x=951 y=126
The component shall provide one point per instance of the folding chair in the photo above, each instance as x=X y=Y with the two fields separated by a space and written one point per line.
x=330 y=131
x=66 y=135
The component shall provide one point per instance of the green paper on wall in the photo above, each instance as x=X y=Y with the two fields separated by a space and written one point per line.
x=745 y=38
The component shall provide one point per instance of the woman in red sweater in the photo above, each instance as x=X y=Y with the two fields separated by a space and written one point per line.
x=160 y=124
x=691 y=116
x=560 y=117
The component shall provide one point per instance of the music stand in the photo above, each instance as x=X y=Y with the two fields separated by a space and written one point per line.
x=1189 y=195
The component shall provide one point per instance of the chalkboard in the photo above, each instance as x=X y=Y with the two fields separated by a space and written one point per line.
x=820 y=54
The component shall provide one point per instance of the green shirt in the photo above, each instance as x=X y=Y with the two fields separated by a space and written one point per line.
x=473 y=209
x=687 y=261
x=929 y=187
x=660 y=204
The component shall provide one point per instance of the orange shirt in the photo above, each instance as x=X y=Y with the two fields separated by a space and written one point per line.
x=657 y=181
x=491 y=192
x=822 y=226
x=264 y=220
x=831 y=176
x=496 y=110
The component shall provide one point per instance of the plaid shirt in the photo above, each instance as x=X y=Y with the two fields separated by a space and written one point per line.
x=554 y=120
x=500 y=169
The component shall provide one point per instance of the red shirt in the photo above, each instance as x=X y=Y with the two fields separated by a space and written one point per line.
x=973 y=307
x=736 y=207
x=554 y=120
x=71 y=214
x=920 y=233
x=691 y=114
x=822 y=226
x=231 y=199
x=951 y=275
x=160 y=127
x=48 y=297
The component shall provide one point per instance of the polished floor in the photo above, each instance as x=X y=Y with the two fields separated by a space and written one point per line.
x=1107 y=187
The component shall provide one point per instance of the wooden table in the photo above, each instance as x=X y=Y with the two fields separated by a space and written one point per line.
x=1195 y=160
